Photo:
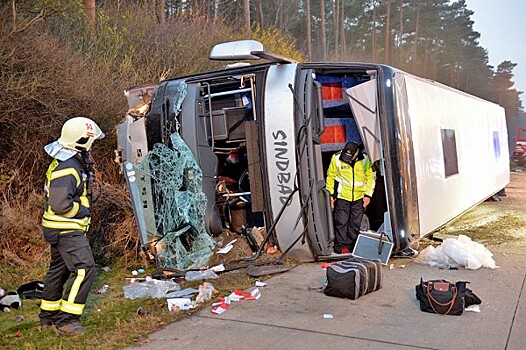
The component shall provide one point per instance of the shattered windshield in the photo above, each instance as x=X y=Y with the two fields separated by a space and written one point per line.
x=180 y=240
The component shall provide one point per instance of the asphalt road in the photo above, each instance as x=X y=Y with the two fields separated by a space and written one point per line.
x=292 y=312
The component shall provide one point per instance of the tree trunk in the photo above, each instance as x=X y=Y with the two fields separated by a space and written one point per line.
x=415 y=45
x=401 y=32
x=322 y=31
x=247 y=14
x=342 y=35
x=89 y=6
x=260 y=13
x=374 y=32
x=336 y=29
x=309 y=39
x=387 y=32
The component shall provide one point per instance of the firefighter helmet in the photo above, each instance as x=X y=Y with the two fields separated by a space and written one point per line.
x=78 y=133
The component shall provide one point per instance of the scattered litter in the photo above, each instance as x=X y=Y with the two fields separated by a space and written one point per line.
x=272 y=250
x=10 y=301
x=218 y=268
x=2 y=292
x=200 y=275
x=260 y=284
x=457 y=252
x=228 y=247
x=223 y=303
x=328 y=316
x=103 y=289
x=150 y=288
x=402 y=266
x=105 y=269
x=326 y=264
x=391 y=267
x=19 y=319
x=473 y=308
x=135 y=273
x=206 y=290
x=141 y=271
x=142 y=312
x=185 y=293
x=179 y=304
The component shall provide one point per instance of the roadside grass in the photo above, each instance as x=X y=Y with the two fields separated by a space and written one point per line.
x=111 y=320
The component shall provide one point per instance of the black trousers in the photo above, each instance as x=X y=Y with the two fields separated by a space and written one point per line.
x=69 y=279
x=347 y=220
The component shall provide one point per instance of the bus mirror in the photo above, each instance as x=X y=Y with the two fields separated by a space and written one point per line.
x=236 y=50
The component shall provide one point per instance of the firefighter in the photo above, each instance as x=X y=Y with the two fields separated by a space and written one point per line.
x=350 y=181
x=65 y=222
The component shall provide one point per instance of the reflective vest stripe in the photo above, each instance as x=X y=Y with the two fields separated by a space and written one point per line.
x=81 y=273
x=49 y=305
x=60 y=223
x=65 y=172
x=74 y=210
x=72 y=308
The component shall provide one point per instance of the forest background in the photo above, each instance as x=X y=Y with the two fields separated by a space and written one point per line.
x=60 y=58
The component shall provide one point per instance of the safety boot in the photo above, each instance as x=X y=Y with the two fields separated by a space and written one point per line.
x=70 y=329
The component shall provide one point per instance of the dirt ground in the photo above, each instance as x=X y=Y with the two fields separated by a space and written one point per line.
x=500 y=225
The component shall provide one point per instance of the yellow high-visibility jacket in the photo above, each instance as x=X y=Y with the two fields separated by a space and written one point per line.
x=353 y=182
x=67 y=204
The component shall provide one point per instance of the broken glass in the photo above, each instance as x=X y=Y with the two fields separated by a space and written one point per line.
x=180 y=239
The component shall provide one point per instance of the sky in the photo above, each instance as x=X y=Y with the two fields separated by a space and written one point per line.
x=502 y=28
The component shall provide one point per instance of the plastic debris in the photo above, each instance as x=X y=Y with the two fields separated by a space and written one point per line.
x=150 y=288
x=19 y=319
x=391 y=266
x=105 y=269
x=135 y=273
x=179 y=304
x=200 y=275
x=206 y=290
x=260 y=284
x=228 y=247
x=328 y=316
x=141 y=271
x=223 y=303
x=185 y=293
x=325 y=265
x=473 y=308
x=103 y=289
x=218 y=268
x=272 y=250
x=457 y=252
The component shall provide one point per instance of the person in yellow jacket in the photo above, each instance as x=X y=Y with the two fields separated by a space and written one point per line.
x=65 y=222
x=350 y=181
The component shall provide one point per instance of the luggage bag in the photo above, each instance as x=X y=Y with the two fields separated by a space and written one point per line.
x=353 y=278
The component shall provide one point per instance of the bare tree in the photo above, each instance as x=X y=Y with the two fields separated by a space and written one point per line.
x=374 y=32
x=336 y=19
x=342 y=28
x=401 y=32
x=387 y=32
x=322 y=31
x=247 y=14
x=260 y=13
x=309 y=39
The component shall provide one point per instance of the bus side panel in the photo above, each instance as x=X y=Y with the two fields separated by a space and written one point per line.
x=280 y=160
x=460 y=150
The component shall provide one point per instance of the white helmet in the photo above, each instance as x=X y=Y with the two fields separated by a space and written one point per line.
x=78 y=133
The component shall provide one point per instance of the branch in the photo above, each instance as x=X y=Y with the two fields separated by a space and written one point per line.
x=34 y=20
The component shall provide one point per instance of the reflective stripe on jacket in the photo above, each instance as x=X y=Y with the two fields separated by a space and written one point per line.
x=354 y=182
x=67 y=204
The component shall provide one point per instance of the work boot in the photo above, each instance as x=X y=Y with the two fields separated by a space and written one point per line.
x=71 y=329
x=45 y=325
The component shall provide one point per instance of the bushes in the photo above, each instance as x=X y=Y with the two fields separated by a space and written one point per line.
x=56 y=68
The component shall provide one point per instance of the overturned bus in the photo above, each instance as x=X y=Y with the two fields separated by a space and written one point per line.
x=263 y=135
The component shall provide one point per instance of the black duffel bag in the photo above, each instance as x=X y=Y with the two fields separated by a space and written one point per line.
x=441 y=297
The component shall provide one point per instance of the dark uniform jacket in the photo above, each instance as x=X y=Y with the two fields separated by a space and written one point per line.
x=67 y=204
